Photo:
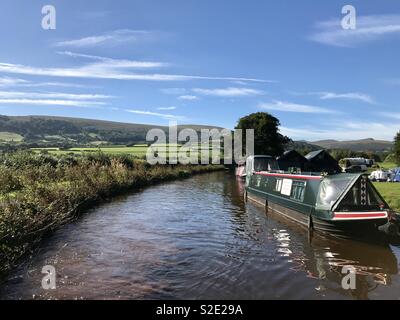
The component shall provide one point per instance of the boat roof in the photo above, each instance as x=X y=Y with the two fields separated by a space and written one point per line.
x=313 y=154
x=291 y=153
x=260 y=157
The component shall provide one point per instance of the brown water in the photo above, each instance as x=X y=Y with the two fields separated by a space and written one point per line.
x=196 y=239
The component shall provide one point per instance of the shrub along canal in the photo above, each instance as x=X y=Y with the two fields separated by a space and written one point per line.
x=196 y=239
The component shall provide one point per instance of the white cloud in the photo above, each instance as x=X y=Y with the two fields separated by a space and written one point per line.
x=345 y=131
x=15 y=82
x=294 y=107
x=369 y=28
x=350 y=96
x=56 y=84
x=156 y=114
x=166 y=108
x=51 y=95
x=115 y=63
x=111 y=38
x=9 y=82
x=108 y=68
x=325 y=95
x=57 y=102
x=229 y=92
x=187 y=97
x=51 y=98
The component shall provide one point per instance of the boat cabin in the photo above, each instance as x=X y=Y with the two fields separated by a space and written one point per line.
x=260 y=163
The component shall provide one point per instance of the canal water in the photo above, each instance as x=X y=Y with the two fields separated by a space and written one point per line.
x=197 y=239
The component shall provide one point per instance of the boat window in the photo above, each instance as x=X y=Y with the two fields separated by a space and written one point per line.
x=298 y=190
x=265 y=164
x=258 y=181
x=331 y=189
x=278 y=186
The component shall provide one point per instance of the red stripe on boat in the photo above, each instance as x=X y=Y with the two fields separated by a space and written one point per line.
x=290 y=176
x=358 y=215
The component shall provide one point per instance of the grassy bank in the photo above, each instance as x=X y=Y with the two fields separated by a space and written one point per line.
x=390 y=192
x=41 y=192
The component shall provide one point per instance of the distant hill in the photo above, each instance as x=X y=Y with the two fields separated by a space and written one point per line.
x=49 y=130
x=65 y=131
x=303 y=147
x=356 y=145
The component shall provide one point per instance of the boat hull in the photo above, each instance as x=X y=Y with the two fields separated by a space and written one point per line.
x=354 y=229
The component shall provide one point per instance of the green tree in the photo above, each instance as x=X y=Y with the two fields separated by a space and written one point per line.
x=267 y=139
x=397 y=148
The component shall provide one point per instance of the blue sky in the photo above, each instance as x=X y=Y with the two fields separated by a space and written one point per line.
x=207 y=62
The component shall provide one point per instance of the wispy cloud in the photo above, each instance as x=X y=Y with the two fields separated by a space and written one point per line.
x=229 y=92
x=107 y=68
x=294 y=107
x=369 y=28
x=188 y=97
x=52 y=98
x=9 y=82
x=156 y=114
x=57 y=102
x=115 y=63
x=51 y=95
x=166 y=108
x=112 y=38
x=344 y=131
x=350 y=96
x=56 y=84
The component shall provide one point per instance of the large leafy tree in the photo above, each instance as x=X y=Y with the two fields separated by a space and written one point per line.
x=267 y=139
x=397 y=148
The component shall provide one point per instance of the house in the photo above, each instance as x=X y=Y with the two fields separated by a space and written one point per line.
x=322 y=161
x=292 y=160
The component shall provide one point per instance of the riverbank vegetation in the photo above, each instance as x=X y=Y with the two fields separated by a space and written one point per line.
x=40 y=192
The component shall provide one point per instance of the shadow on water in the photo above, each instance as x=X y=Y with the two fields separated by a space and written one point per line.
x=197 y=239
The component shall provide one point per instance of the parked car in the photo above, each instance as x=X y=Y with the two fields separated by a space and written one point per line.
x=353 y=165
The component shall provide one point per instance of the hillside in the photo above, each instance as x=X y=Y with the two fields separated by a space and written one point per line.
x=49 y=130
x=302 y=146
x=356 y=145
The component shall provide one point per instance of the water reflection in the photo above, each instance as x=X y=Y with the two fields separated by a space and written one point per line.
x=197 y=239
x=326 y=256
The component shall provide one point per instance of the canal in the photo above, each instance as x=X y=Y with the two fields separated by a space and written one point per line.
x=197 y=239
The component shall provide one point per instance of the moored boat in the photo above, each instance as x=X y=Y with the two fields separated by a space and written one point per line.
x=345 y=204
x=257 y=163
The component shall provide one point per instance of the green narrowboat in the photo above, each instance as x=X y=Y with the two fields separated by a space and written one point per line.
x=344 y=205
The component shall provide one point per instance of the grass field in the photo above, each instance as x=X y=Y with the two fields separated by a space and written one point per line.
x=9 y=136
x=136 y=150
x=390 y=192
x=387 y=165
